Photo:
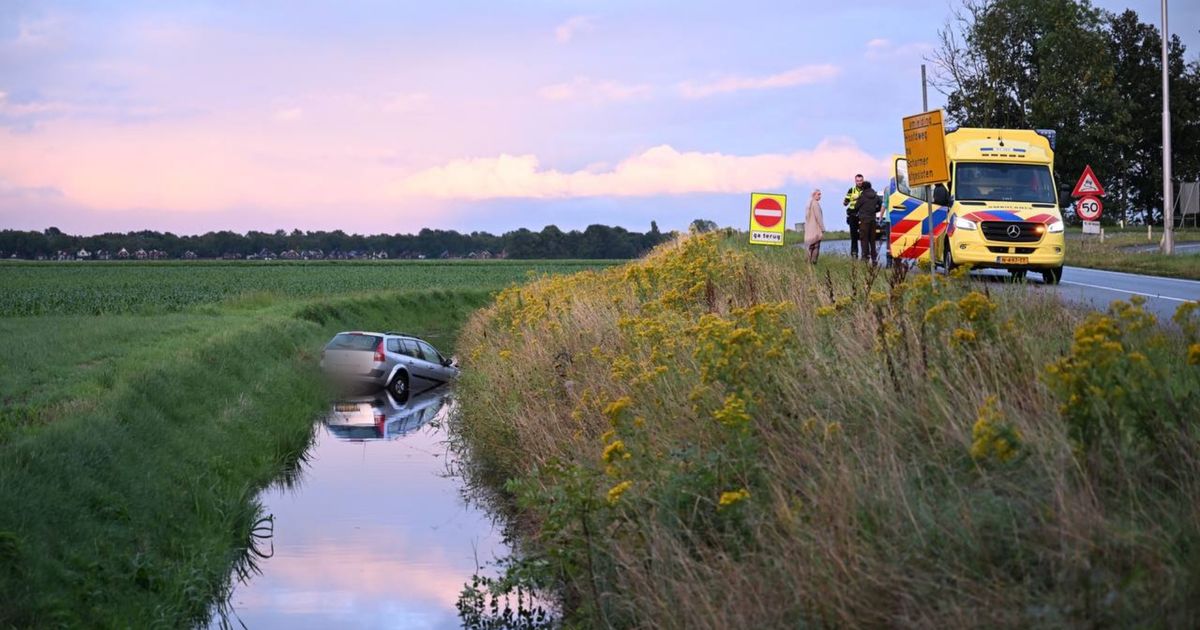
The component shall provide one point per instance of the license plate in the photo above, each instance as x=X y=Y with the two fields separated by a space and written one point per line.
x=1013 y=260
x=344 y=407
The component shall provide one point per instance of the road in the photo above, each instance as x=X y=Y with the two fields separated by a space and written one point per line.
x=1093 y=287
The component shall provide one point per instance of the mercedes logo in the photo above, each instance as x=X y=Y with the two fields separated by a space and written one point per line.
x=1014 y=231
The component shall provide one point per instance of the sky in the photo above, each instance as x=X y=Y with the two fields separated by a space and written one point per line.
x=388 y=117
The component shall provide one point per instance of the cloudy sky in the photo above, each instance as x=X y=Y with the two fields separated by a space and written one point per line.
x=378 y=116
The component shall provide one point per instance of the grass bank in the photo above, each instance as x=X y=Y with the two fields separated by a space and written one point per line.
x=715 y=437
x=133 y=445
x=1119 y=252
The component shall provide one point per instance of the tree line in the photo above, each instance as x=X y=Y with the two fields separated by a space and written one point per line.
x=1092 y=75
x=597 y=241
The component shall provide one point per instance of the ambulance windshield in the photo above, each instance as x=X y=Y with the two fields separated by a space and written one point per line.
x=1029 y=183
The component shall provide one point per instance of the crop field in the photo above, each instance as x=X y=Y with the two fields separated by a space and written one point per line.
x=163 y=287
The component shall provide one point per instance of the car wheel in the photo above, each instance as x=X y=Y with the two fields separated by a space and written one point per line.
x=1052 y=275
x=399 y=386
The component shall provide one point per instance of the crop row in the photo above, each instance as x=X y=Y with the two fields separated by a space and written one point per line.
x=91 y=289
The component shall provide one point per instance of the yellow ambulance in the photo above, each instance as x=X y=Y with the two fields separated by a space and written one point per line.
x=1000 y=209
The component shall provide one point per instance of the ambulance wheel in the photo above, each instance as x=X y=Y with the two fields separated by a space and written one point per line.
x=1052 y=275
x=948 y=258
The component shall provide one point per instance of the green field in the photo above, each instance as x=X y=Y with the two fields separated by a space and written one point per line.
x=144 y=405
x=95 y=288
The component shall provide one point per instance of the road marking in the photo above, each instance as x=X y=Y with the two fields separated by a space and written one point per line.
x=1149 y=295
x=1140 y=276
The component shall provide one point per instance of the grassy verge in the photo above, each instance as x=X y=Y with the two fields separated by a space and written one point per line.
x=714 y=437
x=133 y=445
x=1118 y=253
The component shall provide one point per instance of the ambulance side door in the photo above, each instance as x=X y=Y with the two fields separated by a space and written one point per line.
x=906 y=213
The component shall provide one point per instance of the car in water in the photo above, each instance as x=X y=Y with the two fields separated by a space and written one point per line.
x=398 y=362
x=381 y=416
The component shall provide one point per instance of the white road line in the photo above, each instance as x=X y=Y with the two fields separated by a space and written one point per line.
x=1150 y=295
x=1086 y=270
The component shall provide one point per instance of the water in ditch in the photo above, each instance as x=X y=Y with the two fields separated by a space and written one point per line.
x=374 y=530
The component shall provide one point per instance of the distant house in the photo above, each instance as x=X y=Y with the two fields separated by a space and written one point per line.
x=103 y=255
x=156 y=254
x=140 y=254
x=189 y=255
x=266 y=254
x=230 y=256
x=289 y=254
x=485 y=254
x=123 y=253
x=83 y=254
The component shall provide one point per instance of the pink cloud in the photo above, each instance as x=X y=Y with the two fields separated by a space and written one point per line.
x=583 y=88
x=803 y=75
x=661 y=170
x=566 y=31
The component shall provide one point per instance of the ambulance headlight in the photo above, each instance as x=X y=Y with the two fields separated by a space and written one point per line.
x=1057 y=226
x=964 y=224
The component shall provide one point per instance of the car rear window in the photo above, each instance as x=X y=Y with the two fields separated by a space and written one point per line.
x=350 y=341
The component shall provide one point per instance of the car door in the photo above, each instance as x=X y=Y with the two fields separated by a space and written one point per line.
x=438 y=370
x=419 y=368
x=908 y=234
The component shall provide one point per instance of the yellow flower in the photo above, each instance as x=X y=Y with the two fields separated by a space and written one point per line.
x=615 y=492
x=963 y=336
x=505 y=354
x=617 y=407
x=733 y=412
x=975 y=306
x=826 y=311
x=614 y=450
x=731 y=498
x=1194 y=354
x=991 y=438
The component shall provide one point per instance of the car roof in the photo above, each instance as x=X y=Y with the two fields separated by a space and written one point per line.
x=380 y=334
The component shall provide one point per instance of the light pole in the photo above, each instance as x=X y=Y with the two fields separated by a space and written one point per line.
x=1168 y=189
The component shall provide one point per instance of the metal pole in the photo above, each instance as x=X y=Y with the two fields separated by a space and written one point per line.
x=928 y=189
x=1168 y=189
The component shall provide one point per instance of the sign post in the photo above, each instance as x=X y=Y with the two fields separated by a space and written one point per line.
x=1088 y=206
x=767 y=218
x=925 y=150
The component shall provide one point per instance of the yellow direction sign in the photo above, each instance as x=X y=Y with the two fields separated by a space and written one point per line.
x=767 y=218
x=925 y=149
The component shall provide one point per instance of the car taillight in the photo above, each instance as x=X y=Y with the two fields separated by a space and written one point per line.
x=379 y=358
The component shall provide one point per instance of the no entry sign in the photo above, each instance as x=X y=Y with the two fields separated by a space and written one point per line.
x=767 y=214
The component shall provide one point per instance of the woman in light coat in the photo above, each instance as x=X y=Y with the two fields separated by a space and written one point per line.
x=814 y=226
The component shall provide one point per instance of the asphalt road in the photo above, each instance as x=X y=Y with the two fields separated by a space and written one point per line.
x=1091 y=287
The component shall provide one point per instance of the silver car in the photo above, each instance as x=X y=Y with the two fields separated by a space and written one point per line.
x=396 y=361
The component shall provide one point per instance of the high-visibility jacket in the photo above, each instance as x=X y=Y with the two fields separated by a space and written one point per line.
x=850 y=198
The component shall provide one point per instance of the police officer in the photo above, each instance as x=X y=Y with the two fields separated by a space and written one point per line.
x=851 y=214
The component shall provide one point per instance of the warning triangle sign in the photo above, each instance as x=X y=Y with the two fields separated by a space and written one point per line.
x=1088 y=184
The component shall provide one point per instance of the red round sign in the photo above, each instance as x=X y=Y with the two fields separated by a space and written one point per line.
x=767 y=212
x=1089 y=208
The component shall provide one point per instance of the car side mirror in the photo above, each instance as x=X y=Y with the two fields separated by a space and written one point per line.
x=941 y=196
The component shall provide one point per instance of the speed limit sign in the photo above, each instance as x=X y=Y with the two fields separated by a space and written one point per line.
x=1089 y=208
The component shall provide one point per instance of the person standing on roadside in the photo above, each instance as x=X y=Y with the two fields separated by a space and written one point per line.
x=814 y=226
x=867 y=207
x=849 y=202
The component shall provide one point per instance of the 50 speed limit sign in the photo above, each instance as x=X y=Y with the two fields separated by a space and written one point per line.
x=1089 y=208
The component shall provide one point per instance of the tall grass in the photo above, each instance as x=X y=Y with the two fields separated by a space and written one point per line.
x=719 y=438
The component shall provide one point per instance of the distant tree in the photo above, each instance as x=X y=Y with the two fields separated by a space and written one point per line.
x=1090 y=75
x=700 y=226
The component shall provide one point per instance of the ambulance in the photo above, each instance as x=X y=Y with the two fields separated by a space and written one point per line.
x=1000 y=209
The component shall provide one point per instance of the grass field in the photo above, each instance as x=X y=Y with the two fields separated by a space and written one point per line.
x=715 y=437
x=1117 y=253
x=133 y=443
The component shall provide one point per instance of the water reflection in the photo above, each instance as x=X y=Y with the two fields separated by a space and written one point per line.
x=378 y=535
